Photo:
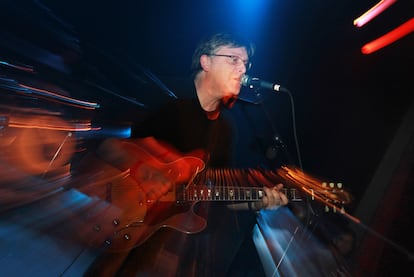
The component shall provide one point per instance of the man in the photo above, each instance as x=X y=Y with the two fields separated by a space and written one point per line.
x=181 y=128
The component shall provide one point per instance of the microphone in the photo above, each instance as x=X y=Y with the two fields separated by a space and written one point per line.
x=252 y=82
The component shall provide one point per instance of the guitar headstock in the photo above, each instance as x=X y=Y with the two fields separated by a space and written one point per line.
x=331 y=194
x=336 y=205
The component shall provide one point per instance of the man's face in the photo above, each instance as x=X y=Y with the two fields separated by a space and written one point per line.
x=227 y=66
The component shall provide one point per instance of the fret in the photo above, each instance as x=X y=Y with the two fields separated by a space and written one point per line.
x=293 y=195
x=233 y=184
x=259 y=194
x=255 y=194
x=230 y=194
x=247 y=194
x=209 y=194
x=236 y=193
x=217 y=194
x=220 y=185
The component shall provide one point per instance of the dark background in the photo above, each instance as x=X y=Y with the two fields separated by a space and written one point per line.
x=348 y=107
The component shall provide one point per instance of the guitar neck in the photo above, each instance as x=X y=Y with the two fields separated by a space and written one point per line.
x=213 y=184
x=229 y=193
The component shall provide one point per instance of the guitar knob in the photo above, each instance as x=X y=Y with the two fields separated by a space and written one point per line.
x=97 y=228
x=127 y=236
x=115 y=222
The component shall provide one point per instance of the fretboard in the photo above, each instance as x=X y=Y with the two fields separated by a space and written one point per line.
x=229 y=193
x=225 y=184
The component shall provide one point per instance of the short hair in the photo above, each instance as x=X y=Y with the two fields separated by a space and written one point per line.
x=211 y=44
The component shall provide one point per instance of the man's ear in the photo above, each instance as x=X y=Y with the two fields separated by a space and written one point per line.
x=205 y=62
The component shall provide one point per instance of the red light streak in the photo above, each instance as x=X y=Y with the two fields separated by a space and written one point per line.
x=392 y=36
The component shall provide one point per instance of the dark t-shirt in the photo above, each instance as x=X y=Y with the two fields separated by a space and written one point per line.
x=184 y=125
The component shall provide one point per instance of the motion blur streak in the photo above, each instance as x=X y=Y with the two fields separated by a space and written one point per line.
x=373 y=12
x=390 y=37
x=288 y=249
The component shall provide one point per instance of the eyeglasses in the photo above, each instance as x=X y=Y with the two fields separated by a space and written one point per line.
x=235 y=60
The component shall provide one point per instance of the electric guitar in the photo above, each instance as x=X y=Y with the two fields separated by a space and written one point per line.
x=144 y=216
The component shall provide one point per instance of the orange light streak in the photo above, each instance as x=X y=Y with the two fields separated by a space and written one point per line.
x=390 y=37
x=57 y=128
x=48 y=123
x=313 y=186
x=373 y=12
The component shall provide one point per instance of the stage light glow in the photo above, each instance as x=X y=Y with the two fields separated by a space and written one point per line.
x=247 y=14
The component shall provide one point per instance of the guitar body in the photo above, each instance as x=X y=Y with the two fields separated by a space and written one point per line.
x=181 y=218
x=147 y=166
x=131 y=190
